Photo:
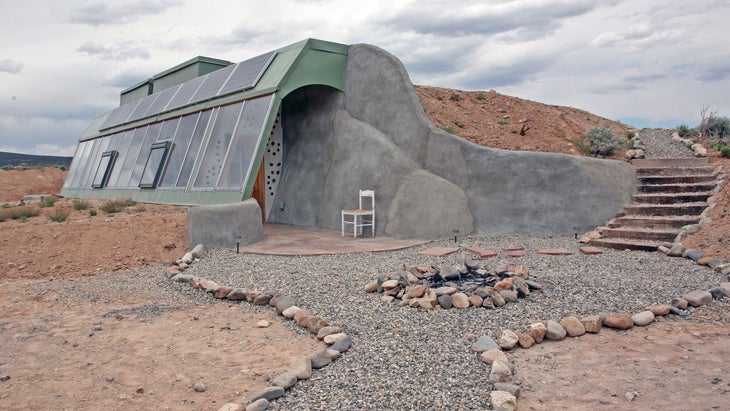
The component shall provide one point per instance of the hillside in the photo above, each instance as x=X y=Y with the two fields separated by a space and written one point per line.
x=491 y=119
x=30 y=160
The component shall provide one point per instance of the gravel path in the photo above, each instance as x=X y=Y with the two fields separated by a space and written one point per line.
x=659 y=144
x=404 y=358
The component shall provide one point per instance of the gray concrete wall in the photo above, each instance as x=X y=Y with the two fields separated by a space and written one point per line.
x=428 y=182
x=224 y=225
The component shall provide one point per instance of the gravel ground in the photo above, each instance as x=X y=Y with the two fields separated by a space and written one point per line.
x=404 y=358
x=659 y=144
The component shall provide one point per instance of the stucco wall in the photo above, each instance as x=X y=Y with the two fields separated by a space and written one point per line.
x=428 y=182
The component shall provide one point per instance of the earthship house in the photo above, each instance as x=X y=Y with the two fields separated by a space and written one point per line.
x=290 y=136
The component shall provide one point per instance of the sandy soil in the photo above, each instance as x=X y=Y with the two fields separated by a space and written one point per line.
x=138 y=361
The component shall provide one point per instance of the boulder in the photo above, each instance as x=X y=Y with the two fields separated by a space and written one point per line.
x=537 y=332
x=484 y=343
x=501 y=372
x=269 y=393
x=698 y=298
x=301 y=367
x=592 y=323
x=619 y=321
x=508 y=340
x=503 y=400
x=525 y=340
x=643 y=318
x=459 y=300
x=573 y=326
x=492 y=355
x=659 y=309
x=555 y=331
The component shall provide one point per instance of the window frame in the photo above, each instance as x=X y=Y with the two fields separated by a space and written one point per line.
x=112 y=156
x=160 y=145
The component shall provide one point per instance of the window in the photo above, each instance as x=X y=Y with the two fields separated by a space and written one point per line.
x=155 y=161
x=105 y=166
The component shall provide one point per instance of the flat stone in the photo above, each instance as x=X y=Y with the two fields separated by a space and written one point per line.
x=415 y=292
x=718 y=293
x=460 y=300
x=284 y=302
x=328 y=330
x=513 y=389
x=497 y=299
x=590 y=250
x=284 y=380
x=509 y=296
x=492 y=355
x=269 y=393
x=450 y=272
x=333 y=338
x=726 y=286
x=482 y=252
x=488 y=303
x=513 y=249
x=251 y=295
x=704 y=261
x=500 y=372
x=693 y=254
x=315 y=324
x=676 y=251
x=371 y=287
x=302 y=317
x=222 y=292
x=659 y=309
x=262 y=404
x=533 y=285
x=573 y=326
x=516 y=254
x=508 y=340
x=643 y=318
x=680 y=303
x=714 y=263
x=445 y=291
x=320 y=359
x=519 y=270
x=263 y=324
x=291 y=312
x=724 y=269
x=334 y=354
x=445 y=301
x=198 y=251
x=237 y=294
x=555 y=331
x=262 y=299
x=439 y=251
x=663 y=249
x=505 y=284
x=182 y=278
x=342 y=345
x=475 y=300
x=554 y=251
x=503 y=400
x=537 y=332
x=525 y=340
x=619 y=321
x=698 y=298
x=592 y=323
x=485 y=343
x=389 y=284
x=301 y=367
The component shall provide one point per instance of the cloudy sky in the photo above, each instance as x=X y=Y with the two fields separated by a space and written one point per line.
x=643 y=62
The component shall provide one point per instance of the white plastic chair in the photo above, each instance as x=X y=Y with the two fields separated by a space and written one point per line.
x=361 y=217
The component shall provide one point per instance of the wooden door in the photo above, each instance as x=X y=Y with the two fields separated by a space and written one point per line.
x=259 y=191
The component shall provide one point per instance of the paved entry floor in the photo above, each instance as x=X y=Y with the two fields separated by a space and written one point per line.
x=282 y=239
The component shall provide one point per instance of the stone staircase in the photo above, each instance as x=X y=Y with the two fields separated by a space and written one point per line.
x=671 y=194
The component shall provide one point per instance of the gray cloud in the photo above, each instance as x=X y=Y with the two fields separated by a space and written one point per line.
x=100 y=13
x=10 y=66
x=529 y=20
x=119 y=51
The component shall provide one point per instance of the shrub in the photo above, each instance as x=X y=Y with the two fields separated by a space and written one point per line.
x=481 y=96
x=599 y=141
x=58 y=215
x=92 y=212
x=449 y=129
x=49 y=201
x=683 y=130
x=503 y=122
x=630 y=134
x=80 y=205
x=19 y=213
x=715 y=126
x=114 y=206
x=725 y=152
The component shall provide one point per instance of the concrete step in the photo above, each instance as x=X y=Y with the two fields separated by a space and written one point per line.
x=671 y=198
x=687 y=179
x=665 y=210
x=641 y=233
x=657 y=222
x=626 y=244
x=676 y=188
x=671 y=162
x=672 y=171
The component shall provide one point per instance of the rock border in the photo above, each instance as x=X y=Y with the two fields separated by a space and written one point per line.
x=501 y=375
x=300 y=368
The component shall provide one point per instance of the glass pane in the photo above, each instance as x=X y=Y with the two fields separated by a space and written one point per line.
x=215 y=151
x=102 y=172
x=125 y=141
x=73 y=167
x=244 y=143
x=152 y=132
x=154 y=162
x=83 y=163
x=177 y=150
x=193 y=149
x=100 y=145
x=168 y=129
x=130 y=158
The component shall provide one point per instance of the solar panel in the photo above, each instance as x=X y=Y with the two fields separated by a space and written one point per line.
x=187 y=89
x=247 y=73
x=162 y=101
x=120 y=114
x=212 y=83
x=144 y=104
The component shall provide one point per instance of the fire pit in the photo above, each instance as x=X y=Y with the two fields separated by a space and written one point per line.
x=458 y=287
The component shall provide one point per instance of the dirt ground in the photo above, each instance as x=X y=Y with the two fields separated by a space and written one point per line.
x=137 y=360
